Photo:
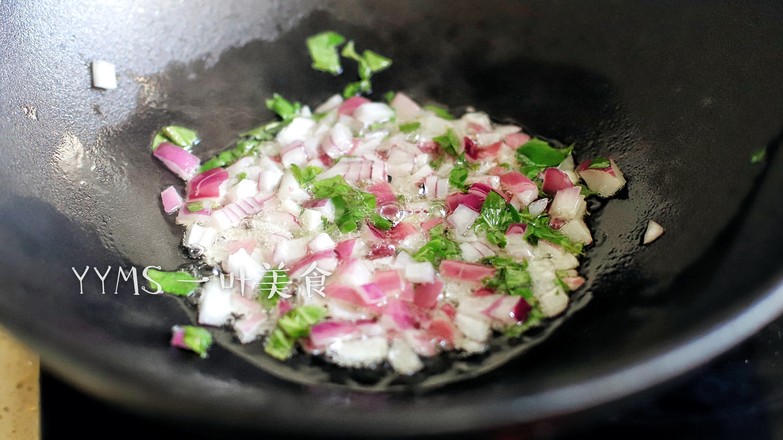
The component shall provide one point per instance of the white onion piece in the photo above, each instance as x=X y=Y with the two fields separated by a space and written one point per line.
x=338 y=142
x=232 y=214
x=243 y=189
x=537 y=207
x=420 y=272
x=289 y=251
x=405 y=107
x=290 y=189
x=199 y=237
x=321 y=242
x=268 y=179
x=310 y=220
x=577 y=231
x=330 y=104
x=474 y=251
x=294 y=155
x=214 y=304
x=568 y=204
x=553 y=302
x=171 y=200
x=654 y=230
x=103 y=75
x=472 y=327
x=373 y=112
x=357 y=353
x=462 y=218
x=298 y=129
x=242 y=265
x=402 y=357
x=605 y=182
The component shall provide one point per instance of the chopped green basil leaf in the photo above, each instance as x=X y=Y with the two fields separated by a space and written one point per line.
x=176 y=283
x=369 y=62
x=449 y=142
x=439 y=111
x=305 y=175
x=437 y=249
x=195 y=206
x=539 y=229
x=511 y=277
x=410 y=127
x=759 y=155
x=323 y=51
x=331 y=187
x=458 y=176
x=380 y=222
x=279 y=345
x=274 y=282
x=177 y=135
x=198 y=339
x=600 y=163
x=496 y=215
x=539 y=153
x=389 y=96
x=241 y=176
x=534 y=318
x=158 y=139
x=284 y=108
x=290 y=327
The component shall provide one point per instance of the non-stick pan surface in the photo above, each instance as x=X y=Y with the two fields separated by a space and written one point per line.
x=679 y=94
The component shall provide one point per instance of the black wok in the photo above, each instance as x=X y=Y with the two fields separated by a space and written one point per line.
x=681 y=94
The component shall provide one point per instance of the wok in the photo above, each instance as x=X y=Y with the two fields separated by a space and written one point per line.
x=680 y=94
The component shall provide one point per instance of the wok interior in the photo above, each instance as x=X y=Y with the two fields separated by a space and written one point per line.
x=680 y=96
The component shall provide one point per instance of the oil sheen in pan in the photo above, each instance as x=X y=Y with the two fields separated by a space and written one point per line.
x=439 y=370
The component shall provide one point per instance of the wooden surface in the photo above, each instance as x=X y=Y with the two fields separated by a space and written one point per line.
x=19 y=391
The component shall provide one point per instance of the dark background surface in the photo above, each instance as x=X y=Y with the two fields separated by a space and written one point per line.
x=680 y=93
x=737 y=396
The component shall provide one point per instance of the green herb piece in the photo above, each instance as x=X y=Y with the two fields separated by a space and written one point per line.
x=389 y=96
x=177 y=135
x=297 y=322
x=536 y=155
x=369 y=63
x=195 y=206
x=495 y=217
x=305 y=175
x=380 y=222
x=539 y=229
x=241 y=176
x=449 y=142
x=249 y=144
x=197 y=339
x=273 y=283
x=351 y=206
x=265 y=132
x=323 y=51
x=534 y=318
x=331 y=187
x=410 y=127
x=292 y=326
x=175 y=283
x=437 y=249
x=511 y=277
x=440 y=247
x=759 y=155
x=458 y=176
x=439 y=111
x=284 y=108
x=279 y=345
x=600 y=163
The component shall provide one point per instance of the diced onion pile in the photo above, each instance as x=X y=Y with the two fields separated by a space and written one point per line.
x=372 y=233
